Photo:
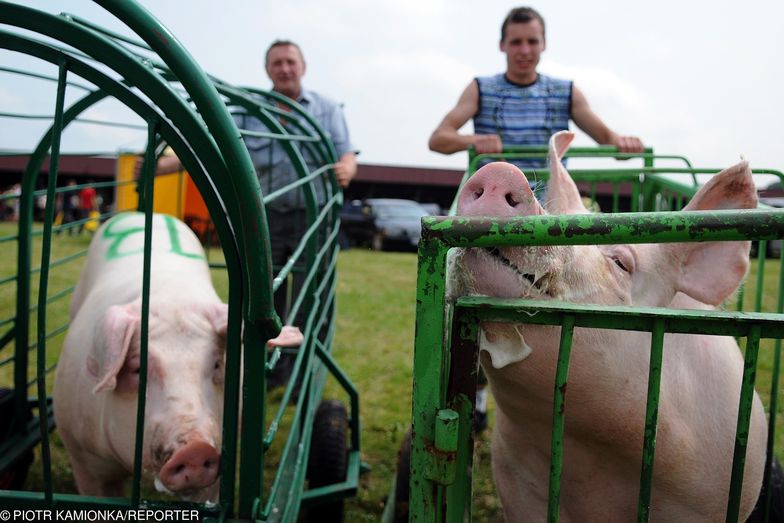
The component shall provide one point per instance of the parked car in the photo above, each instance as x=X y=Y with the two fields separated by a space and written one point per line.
x=433 y=209
x=380 y=223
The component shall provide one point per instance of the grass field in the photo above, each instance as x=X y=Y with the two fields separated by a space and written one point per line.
x=374 y=346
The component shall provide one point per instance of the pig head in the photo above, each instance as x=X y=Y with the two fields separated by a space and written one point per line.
x=97 y=381
x=605 y=407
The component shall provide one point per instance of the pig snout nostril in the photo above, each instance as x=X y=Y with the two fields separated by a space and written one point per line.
x=510 y=199
x=194 y=466
x=478 y=193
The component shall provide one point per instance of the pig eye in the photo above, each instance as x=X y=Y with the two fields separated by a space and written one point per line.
x=620 y=264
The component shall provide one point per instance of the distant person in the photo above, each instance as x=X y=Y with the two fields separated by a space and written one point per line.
x=521 y=106
x=87 y=203
x=285 y=67
x=69 y=207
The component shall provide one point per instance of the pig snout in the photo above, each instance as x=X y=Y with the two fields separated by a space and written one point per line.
x=194 y=466
x=498 y=189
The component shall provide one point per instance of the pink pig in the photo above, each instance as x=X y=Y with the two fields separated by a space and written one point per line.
x=97 y=380
x=605 y=404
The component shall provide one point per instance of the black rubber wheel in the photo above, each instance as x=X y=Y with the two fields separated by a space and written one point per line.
x=328 y=460
x=14 y=476
x=402 y=480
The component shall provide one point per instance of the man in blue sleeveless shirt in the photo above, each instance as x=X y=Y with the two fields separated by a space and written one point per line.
x=521 y=106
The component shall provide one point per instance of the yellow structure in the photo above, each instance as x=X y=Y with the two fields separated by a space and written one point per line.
x=168 y=194
x=173 y=194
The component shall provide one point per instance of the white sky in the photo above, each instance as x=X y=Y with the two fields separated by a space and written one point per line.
x=699 y=78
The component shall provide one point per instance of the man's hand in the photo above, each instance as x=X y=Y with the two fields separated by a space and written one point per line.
x=487 y=143
x=628 y=144
x=343 y=174
x=345 y=169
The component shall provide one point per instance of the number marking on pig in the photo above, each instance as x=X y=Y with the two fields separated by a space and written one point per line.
x=119 y=236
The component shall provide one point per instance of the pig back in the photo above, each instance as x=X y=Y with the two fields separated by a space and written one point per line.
x=115 y=259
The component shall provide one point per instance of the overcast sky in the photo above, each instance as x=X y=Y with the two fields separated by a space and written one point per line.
x=699 y=78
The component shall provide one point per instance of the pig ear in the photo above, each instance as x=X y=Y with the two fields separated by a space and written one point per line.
x=562 y=194
x=120 y=323
x=711 y=271
x=732 y=188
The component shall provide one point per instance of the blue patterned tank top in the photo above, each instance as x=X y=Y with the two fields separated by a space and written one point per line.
x=523 y=115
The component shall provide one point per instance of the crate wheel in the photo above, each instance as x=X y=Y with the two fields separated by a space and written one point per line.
x=328 y=460
x=13 y=477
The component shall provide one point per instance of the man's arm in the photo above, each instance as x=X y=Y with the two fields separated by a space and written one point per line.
x=446 y=139
x=593 y=126
x=167 y=163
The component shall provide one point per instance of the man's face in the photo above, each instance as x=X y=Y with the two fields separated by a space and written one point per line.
x=285 y=67
x=523 y=44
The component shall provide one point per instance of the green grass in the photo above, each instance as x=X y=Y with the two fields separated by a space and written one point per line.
x=374 y=346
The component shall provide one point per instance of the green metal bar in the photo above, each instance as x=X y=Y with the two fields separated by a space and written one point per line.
x=298 y=183
x=281 y=137
x=12 y=449
x=744 y=419
x=102 y=30
x=54 y=165
x=761 y=257
x=651 y=420
x=773 y=406
x=430 y=364
x=146 y=195
x=79 y=120
x=463 y=345
x=604 y=229
x=559 y=406
x=42 y=77
x=306 y=238
x=337 y=491
x=635 y=200
x=527 y=151
x=616 y=197
x=302 y=355
x=680 y=321
x=5 y=340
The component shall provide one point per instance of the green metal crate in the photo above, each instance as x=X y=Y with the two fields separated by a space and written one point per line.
x=446 y=344
x=180 y=106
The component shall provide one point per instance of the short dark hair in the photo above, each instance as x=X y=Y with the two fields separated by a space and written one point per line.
x=521 y=15
x=279 y=43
